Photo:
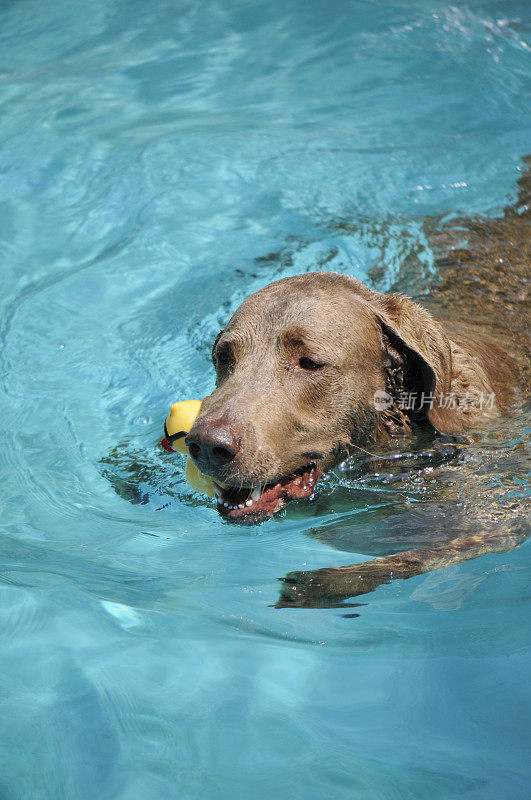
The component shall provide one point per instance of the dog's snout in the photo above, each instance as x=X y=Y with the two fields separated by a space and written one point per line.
x=212 y=444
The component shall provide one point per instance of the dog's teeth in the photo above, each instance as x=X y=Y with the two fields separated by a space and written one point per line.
x=256 y=494
x=249 y=503
x=225 y=504
x=242 y=505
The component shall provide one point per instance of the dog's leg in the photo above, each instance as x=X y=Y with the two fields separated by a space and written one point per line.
x=322 y=587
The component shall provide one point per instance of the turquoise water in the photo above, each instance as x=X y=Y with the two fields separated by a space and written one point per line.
x=158 y=162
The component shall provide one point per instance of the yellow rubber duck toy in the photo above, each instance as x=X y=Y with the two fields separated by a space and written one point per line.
x=178 y=423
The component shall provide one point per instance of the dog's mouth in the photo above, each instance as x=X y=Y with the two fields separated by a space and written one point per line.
x=255 y=503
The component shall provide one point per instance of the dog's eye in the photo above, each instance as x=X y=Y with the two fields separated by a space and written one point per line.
x=308 y=363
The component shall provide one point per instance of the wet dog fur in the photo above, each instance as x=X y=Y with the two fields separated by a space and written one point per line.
x=299 y=364
x=301 y=361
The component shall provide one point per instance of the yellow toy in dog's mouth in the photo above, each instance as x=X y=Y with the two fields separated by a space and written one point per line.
x=236 y=504
x=178 y=423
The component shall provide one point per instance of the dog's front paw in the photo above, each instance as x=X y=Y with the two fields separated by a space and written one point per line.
x=329 y=586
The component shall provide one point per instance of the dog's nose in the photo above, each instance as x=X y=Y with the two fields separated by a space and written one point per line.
x=212 y=444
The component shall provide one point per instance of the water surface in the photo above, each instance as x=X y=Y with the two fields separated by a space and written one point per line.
x=158 y=162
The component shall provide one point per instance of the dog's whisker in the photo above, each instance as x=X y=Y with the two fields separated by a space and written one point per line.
x=363 y=450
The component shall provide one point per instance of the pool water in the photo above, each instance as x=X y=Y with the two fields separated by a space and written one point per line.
x=158 y=162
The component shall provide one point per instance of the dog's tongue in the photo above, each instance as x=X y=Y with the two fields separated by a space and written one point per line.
x=253 y=505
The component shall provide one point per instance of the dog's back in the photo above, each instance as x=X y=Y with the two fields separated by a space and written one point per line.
x=482 y=286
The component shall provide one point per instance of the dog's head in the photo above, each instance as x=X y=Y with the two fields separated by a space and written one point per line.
x=298 y=368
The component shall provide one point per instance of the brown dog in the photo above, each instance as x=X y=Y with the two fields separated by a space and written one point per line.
x=312 y=368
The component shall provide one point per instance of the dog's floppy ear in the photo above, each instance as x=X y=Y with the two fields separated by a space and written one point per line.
x=411 y=334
